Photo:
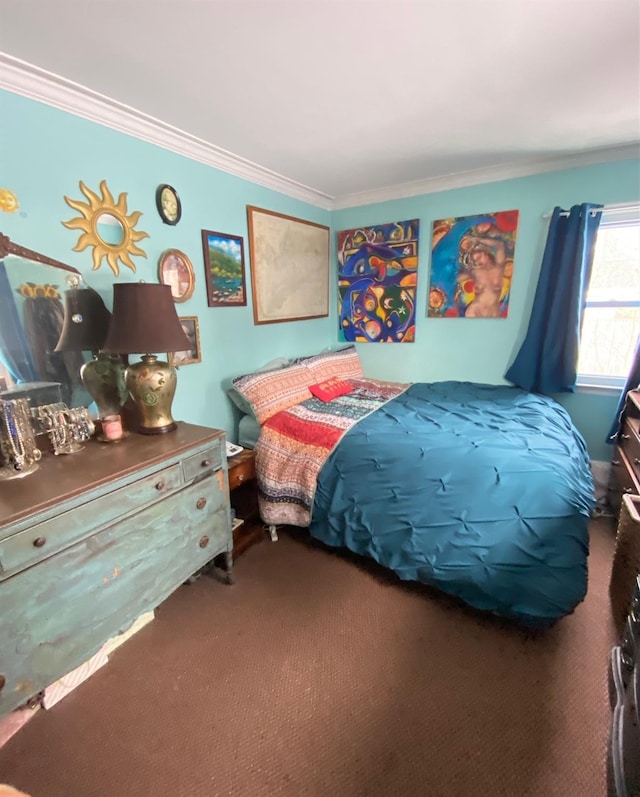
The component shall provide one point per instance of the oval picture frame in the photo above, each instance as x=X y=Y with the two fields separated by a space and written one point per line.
x=168 y=204
x=175 y=270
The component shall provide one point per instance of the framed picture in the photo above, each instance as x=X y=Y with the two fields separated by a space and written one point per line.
x=168 y=204
x=377 y=280
x=289 y=267
x=175 y=270
x=224 y=269
x=191 y=329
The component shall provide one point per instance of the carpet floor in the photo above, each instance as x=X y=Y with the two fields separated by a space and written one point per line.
x=319 y=674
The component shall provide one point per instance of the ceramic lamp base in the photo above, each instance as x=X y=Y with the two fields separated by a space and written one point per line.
x=103 y=377
x=152 y=385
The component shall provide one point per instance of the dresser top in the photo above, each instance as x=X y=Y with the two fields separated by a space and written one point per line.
x=60 y=478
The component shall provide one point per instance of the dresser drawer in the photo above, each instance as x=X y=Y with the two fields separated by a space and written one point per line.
x=206 y=461
x=245 y=471
x=622 y=479
x=100 y=585
x=630 y=444
x=44 y=539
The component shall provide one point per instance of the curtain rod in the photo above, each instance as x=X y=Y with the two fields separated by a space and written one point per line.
x=622 y=207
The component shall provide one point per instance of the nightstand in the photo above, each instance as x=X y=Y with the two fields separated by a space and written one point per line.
x=243 y=490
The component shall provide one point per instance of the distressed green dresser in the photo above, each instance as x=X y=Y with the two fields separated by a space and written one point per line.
x=94 y=539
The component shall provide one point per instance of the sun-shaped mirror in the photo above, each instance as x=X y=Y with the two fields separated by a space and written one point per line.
x=107 y=227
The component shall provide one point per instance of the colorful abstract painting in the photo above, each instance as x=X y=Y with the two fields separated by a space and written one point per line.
x=377 y=275
x=472 y=266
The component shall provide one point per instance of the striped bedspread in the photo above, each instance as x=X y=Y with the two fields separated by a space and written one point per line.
x=295 y=443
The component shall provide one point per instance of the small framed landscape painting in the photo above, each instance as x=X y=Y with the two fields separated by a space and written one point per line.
x=224 y=269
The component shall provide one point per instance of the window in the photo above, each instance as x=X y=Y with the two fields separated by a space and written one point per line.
x=611 y=322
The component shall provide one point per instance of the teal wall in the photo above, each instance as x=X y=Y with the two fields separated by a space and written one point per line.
x=45 y=152
x=480 y=350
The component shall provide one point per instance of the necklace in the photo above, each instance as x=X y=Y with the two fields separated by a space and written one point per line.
x=13 y=437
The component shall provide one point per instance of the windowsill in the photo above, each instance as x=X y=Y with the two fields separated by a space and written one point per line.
x=598 y=390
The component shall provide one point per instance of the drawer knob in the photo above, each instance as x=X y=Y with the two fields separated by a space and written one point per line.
x=160 y=485
x=625 y=436
x=615 y=462
x=201 y=503
x=206 y=463
x=241 y=477
x=628 y=490
x=39 y=542
x=204 y=541
x=636 y=461
x=3 y=681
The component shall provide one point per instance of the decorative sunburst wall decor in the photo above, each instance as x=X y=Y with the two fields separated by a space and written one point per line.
x=100 y=215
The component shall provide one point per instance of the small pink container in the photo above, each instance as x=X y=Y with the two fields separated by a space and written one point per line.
x=112 y=427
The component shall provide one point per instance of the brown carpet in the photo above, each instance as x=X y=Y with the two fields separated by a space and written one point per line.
x=316 y=674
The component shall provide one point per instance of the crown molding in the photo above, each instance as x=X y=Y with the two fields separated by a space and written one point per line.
x=38 y=84
x=492 y=174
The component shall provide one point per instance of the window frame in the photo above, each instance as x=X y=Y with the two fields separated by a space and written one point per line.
x=614 y=216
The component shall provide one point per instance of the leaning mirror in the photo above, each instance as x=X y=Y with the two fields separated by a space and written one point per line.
x=32 y=313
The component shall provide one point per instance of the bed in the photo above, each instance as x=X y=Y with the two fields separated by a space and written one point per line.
x=482 y=491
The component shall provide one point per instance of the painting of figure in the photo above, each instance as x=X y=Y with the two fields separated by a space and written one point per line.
x=377 y=278
x=472 y=265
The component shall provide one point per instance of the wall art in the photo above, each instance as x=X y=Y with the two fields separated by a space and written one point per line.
x=175 y=270
x=191 y=329
x=224 y=269
x=377 y=278
x=289 y=267
x=472 y=265
x=168 y=204
x=107 y=227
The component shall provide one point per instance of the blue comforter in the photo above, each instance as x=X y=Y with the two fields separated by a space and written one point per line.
x=482 y=491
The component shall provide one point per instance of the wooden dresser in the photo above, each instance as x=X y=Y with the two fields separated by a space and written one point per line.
x=625 y=463
x=92 y=540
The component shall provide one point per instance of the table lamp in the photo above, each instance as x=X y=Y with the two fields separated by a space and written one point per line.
x=86 y=322
x=144 y=321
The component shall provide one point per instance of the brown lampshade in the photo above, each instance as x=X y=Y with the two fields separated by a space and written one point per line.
x=86 y=321
x=144 y=320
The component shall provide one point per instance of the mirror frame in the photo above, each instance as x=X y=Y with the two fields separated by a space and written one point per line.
x=87 y=223
x=9 y=247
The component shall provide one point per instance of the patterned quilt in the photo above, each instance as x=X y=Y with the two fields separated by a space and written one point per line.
x=295 y=443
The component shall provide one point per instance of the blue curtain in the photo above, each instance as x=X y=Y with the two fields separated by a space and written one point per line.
x=633 y=381
x=15 y=353
x=548 y=358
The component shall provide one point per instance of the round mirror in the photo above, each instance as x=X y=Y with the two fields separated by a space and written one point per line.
x=110 y=229
x=107 y=226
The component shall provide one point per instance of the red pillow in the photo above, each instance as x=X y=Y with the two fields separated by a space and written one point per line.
x=330 y=389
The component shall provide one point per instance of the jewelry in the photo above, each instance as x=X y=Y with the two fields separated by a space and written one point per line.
x=13 y=438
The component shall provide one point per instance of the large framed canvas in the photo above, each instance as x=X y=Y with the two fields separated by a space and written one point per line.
x=377 y=279
x=224 y=269
x=289 y=267
x=472 y=265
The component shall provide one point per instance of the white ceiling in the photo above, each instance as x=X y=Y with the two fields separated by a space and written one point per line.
x=349 y=97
